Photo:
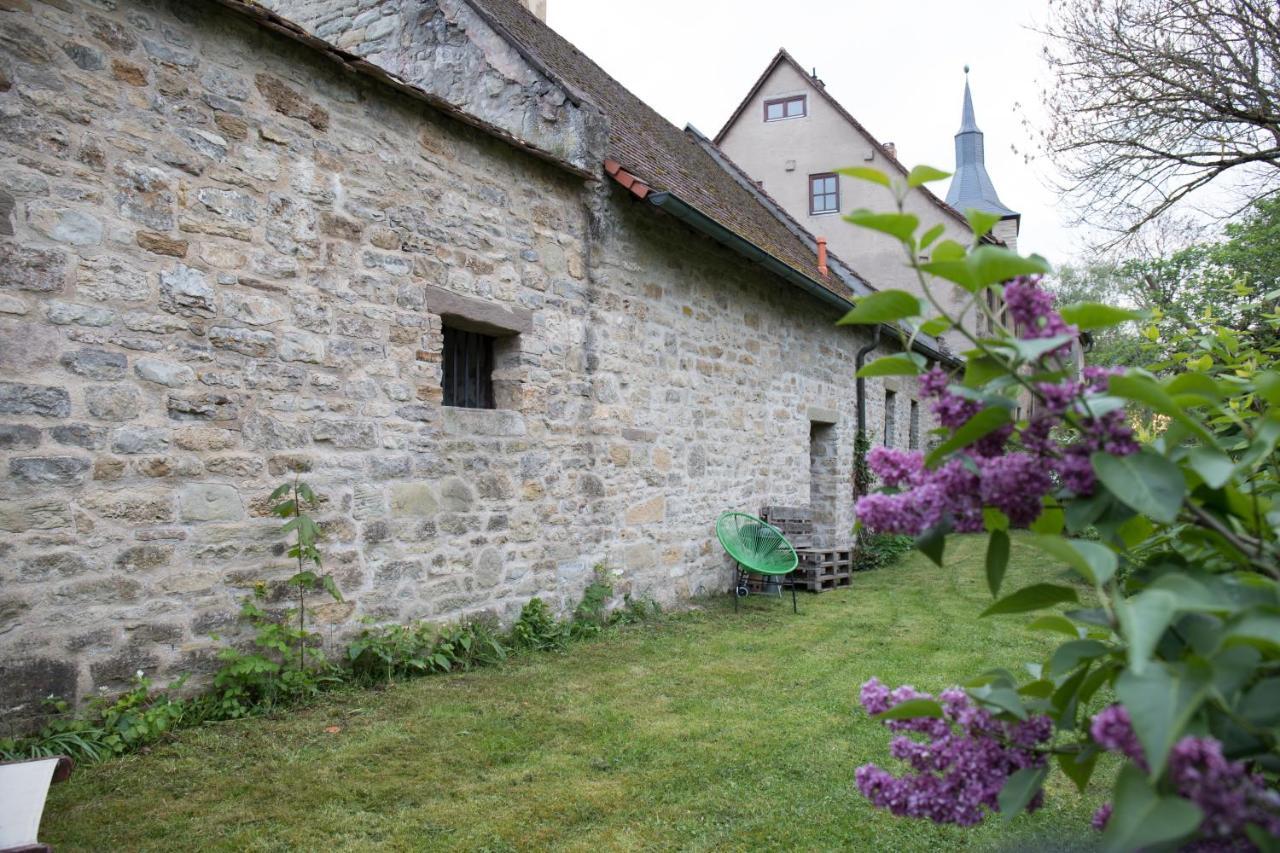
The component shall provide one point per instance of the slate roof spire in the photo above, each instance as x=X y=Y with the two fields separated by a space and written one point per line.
x=971 y=185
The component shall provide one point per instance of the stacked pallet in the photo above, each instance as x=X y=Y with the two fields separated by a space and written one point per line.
x=820 y=569
x=795 y=522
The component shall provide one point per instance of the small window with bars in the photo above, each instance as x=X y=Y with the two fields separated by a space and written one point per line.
x=468 y=369
x=824 y=193
x=776 y=109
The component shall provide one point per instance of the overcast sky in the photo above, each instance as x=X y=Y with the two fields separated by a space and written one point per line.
x=896 y=65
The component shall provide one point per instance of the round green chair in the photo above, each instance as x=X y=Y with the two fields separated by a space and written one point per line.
x=756 y=547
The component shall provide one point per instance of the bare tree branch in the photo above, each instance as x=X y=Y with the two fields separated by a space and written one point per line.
x=1153 y=100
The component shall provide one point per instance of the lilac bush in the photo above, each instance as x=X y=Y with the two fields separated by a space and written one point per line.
x=1228 y=796
x=1174 y=542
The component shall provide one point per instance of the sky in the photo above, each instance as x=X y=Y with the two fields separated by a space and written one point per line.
x=902 y=76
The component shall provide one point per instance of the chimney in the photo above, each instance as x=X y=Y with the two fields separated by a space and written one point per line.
x=537 y=7
x=822 y=256
x=892 y=149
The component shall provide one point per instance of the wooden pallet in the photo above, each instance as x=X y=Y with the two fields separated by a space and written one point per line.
x=795 y=522
x=822 y=569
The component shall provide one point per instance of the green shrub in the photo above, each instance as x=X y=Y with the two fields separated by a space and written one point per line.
x=880 y=550
x=537 y=628
x=107 y=727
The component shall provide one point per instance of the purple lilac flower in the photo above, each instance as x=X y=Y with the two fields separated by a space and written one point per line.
x=1228 y=795
x=959 y=770
x=1113 y=730
x=1031 y=308
x=1014 y=484
x=895 y=467
x=987 y=473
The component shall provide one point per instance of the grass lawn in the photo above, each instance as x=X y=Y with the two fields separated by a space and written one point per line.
x=709 y=731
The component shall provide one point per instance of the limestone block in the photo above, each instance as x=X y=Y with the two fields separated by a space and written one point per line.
x=18 y=437
x=49 y=470
x=647 y=512
x=164 y=373
x=113 y=402
x=95 y=363
x=18 y=398
x=413 y=500
x=210 y=502
x=30 y=268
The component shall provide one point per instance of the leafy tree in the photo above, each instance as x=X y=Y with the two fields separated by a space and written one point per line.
x=1232 y=284
x=1151 y=100
x=1171 y=651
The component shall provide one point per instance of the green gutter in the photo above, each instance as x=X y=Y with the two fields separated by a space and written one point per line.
x=699 y=221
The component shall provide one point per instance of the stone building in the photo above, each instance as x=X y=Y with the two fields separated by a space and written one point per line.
x=506 y=321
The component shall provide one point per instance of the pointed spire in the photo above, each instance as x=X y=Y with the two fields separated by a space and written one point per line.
x=968 y=124
x=971 y=185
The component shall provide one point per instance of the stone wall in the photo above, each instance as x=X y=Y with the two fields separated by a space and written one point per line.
x=223 y=260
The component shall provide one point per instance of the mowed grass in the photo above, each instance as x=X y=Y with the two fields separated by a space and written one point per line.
x=709 y=731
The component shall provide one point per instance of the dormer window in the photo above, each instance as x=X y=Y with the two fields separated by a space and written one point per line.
x=777 y=109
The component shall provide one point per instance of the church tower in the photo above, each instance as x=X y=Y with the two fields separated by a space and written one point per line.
x=971 y=186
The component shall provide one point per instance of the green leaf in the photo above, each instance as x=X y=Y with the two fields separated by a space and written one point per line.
x=994 y=519
x=1000 y=696
x=1267 y=384
x=1093 y=315
x=980 y=370
x=1143 y=389
x=911 y=709
x=925 y=175
x=1078 y=767
x=981 y=221
x=1068 y=656
x=331 y=587
x=866 y=173
x=885 y=306
x=997 y=560
x=891 y=365
x=933 y=542
x=901 y=226
x=1161 y=702
x=996 y=264
x=1142 y=818
x=1213 y=466
x=1055 y=622
x=1019 y=789
x=1144 y=619
x=1050 y=521
x=948 y=250
x=935 y=326
x=1261 y=705
x=983 y=423
x=1035 y=597
x=1096 y=563
x=932 y=234
x=1144 y=481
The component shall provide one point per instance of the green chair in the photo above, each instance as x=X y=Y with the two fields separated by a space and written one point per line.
x=756 y=547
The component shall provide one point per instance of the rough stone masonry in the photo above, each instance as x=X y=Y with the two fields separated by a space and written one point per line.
x=224 y=261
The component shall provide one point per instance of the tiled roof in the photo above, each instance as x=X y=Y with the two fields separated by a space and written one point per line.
x=651 y=149
x=888 y=156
